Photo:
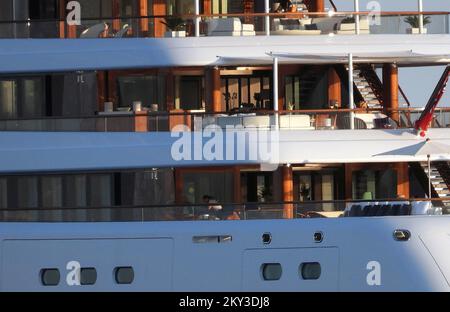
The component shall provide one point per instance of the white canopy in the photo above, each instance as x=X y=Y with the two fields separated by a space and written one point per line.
x=55 y=55
x=59 y=151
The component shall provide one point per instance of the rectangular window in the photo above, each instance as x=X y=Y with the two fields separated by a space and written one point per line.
x=146 y=89
x=51 y=190
x=100 y=195
x=3 y=193
x=257 y=186
x=32 y=94
x=292 y=92
x=8 y=99
x=191 y=92
x=246 y=90
x=373 y=184
x=22 y=97
x=75 y=196
x=27 y=192
x=3 y=197
x=218 y=185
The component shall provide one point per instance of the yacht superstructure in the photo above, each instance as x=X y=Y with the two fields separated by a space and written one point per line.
x=221 y=145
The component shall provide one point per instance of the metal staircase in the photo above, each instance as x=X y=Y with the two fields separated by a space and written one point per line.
x=440 y=180
x=368 y=85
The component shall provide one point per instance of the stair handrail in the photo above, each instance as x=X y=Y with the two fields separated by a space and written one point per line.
x=408 y=113
x=404 y=96
x=333 y=5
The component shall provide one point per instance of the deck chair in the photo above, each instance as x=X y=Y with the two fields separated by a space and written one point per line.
x=121 y=33
x=94 y=31
x=343 y=122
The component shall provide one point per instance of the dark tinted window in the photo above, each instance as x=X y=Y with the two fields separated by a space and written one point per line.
x=124 y=275
x=271 y=271
x=50 y=277
x=310 y=270
x=88 y=276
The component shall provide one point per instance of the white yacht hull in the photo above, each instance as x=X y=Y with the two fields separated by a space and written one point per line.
x=356 y=254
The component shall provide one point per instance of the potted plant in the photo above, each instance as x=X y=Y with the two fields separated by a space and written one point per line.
x=176 y=26
x=414 y=22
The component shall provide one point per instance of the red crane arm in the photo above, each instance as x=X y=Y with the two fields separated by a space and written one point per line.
x=424 y=122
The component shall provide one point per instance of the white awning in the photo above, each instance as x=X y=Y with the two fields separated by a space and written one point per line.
x=72 y=151
x=398 y=57
x=57 y=55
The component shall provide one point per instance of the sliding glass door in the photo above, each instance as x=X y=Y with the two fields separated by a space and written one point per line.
x=22 y=97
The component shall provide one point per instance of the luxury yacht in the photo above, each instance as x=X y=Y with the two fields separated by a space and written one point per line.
x=221 y=145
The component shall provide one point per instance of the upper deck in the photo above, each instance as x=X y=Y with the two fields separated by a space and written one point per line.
x=209 y=18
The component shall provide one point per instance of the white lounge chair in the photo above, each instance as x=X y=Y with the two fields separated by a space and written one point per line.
x=94 y=31
x=121 y=33
x=229 y=27
x=350 y=29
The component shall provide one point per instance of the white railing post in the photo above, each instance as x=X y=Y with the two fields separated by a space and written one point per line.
x=275 y=90
x=197 y=18
x=351 y=103
x=420 y=4
x=267 y=17
x=357 y=17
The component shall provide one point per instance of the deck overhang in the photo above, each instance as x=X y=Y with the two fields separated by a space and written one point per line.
x=58 y=55
x=72 y=151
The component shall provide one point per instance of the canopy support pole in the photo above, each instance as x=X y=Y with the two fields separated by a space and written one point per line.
x=275 y=90
x=267 y=17
x=351 y=103
x=420 y=4
x=357 y=17
x=429 y=176
x=197 y=18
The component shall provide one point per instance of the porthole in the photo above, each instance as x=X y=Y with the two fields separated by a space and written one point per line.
x=310 y=270
x=266 y=238
x=271 y=271
x=88 y=276
x=50 y=277
x=318 y=237
x=124 y=275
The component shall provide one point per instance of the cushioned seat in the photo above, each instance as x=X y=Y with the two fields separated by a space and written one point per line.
x=231 y=121
x=355 y=211
x=350 y=28
x=256 y=122
x=395 y=209
x=405 y=210
x=343 y=122
x=374 y=210
x=384 y=211
x=296 y=122
x=229 y=27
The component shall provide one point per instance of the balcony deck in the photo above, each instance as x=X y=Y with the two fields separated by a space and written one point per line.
x=148 y=121
x=230 y=212
x=229 y=25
